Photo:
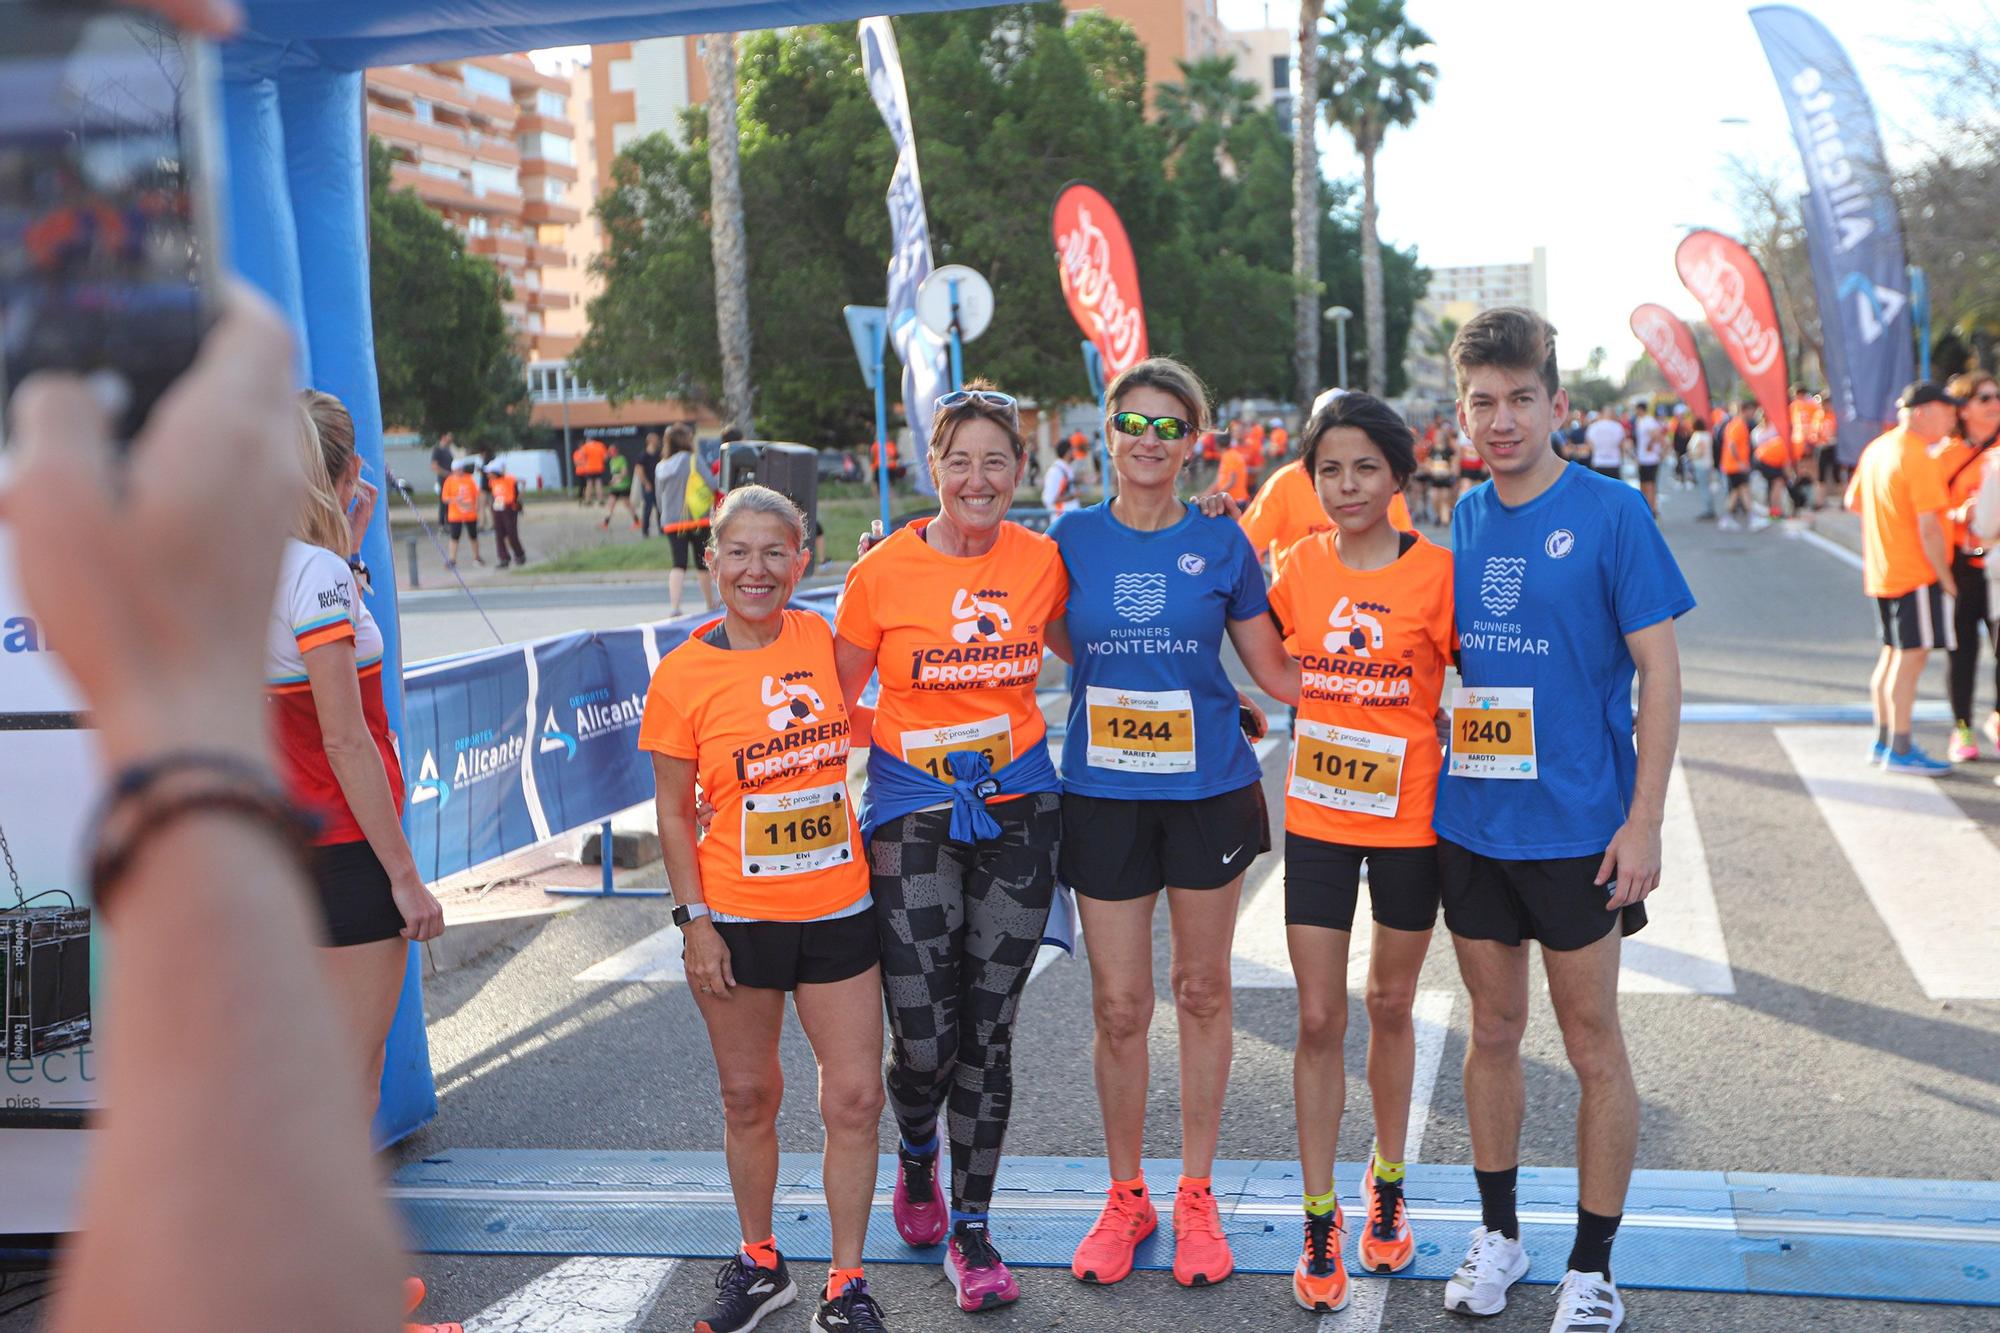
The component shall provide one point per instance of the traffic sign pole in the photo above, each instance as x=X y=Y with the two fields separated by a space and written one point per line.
x=957 y=347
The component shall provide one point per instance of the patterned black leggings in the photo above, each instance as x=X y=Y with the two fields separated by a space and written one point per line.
x=960 y=928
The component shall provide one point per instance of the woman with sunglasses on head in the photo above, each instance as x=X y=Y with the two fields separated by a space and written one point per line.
x=774 y=899
x=1962 y=461
x=1368 y=611
x=1161 y=791
x=962 y=815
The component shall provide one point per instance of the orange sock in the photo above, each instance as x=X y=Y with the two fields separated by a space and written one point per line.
x=1134 y=1188
x=838 y=1278
x=1196 y=1184
x=763 y=1253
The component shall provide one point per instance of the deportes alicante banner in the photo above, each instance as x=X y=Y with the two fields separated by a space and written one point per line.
x=1851 y=225
x=1100 y=276
x=1736 y=297
x=926 y=362
x=1671 y=345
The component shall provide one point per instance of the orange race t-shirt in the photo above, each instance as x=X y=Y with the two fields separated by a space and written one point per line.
x=591 y=457
x=768 y=732
x=461 y=498
x=1774 y=453
x=506 y=491
x=1735 y=455
x=957 y=641
x=1959 y=464
x=1373 y=645
x=1287 y=510
x=1896 y=481
x=1232 y=476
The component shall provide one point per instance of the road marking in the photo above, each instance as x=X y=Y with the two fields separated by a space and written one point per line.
x=1681 y=951
x=586 y=1295
x=656 y=958
x=1931 y=873
x=1832 y=548
x=1934 y=710
x=1368 y=1299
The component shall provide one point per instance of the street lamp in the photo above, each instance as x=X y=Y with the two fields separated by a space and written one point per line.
x=1340 y=314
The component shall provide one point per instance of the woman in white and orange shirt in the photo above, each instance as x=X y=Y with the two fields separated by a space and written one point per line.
x=774 y=898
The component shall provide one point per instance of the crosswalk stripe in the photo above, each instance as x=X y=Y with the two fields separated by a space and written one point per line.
x=655 y=958
x=1931 y=872
x=585 y=1295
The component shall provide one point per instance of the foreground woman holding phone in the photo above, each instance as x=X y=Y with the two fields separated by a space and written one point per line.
x=775 y=897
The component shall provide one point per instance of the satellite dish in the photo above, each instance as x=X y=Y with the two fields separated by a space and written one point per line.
x=975 y=302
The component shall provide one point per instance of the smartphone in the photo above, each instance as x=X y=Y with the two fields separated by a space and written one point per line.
x=110 y=258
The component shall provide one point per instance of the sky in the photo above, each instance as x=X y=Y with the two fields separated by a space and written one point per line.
x=1594 y=128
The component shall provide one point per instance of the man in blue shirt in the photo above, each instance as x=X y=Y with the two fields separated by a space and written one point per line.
x=1548 y=815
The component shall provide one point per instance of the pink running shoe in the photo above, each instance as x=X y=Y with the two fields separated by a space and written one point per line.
x=921 y=1216
x=976 y=1271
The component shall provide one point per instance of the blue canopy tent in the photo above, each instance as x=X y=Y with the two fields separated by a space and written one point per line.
x=296 y=151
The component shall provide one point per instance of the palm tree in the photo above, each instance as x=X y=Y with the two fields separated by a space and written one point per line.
x=727 y=242
x=1305 y=211
x=1370 y=85
x=1209 y=93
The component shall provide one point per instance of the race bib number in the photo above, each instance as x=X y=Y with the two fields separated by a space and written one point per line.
x=1137 y=732
x=1493 y=734
x=992 y=737
x=794 y=832
x=1347 y=770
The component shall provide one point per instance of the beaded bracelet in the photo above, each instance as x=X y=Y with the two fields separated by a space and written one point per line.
x=238 y=787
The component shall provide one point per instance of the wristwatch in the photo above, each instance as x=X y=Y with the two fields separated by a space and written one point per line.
x=686 y=912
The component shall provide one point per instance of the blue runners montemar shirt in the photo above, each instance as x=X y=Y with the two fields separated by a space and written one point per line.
x=1152 y=712
x=1545 y=595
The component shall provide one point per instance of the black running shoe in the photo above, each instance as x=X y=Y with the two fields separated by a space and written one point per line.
x=853 y=1311
x=744 y=1294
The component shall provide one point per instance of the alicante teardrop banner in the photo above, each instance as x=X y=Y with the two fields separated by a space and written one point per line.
x=1100 y=276
x=1736 y=297
x=1671 y=345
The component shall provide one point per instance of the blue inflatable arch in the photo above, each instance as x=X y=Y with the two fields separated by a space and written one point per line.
x=296 y=149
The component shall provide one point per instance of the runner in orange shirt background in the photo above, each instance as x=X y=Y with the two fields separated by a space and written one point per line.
x=774 y=899
x=460 y=493
x=590 y=459
x=1733 y=462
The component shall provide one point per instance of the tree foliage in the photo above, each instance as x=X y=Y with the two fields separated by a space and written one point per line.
x=443 y=351
x=1009 y=104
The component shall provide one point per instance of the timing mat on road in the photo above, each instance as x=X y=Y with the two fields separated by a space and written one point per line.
x=1935 y=1241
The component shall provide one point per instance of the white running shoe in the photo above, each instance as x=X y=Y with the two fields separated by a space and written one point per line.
x=1492 y=1265
x=1587 y=1303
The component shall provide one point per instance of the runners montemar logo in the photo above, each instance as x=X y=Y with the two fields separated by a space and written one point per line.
x=1736 y=297
x=1671 y=345
x=1500 y=583
x=1100 y=276
x=1139 y=597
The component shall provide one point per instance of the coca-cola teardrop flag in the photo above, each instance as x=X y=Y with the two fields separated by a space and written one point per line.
x=1736 y=297
x=1100 y=277
x=1672 y=348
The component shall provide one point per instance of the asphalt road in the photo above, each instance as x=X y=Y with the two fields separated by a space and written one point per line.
x=1825 y=1056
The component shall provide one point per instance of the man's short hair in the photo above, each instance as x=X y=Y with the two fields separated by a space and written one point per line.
x=1511 y=337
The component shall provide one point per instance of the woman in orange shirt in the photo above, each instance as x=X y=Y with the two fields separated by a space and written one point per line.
x=963 y=813
x=774 y=899
x=1962 y=463
x=1367 y=609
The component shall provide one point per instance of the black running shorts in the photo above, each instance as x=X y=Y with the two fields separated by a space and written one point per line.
x=1920 y=619
x=1773 y=476
x=785 y=955
x=1116 y=849
x=1649 y=472
x=355 y=904
x=1737 y=480
x=1323 y=884
x=1556 y=900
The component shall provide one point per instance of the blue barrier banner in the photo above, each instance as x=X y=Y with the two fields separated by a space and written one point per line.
x=1851 y=222
x=590 y=691
x=465 y=745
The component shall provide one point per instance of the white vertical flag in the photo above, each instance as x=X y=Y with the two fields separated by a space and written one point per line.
x=926 y=362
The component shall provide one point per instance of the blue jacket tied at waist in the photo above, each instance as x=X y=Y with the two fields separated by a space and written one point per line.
x=897 y=788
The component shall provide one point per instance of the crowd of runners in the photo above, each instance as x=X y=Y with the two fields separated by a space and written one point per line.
x=1524 y=801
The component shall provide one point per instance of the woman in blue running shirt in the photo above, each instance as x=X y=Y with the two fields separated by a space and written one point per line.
x=1161 y=790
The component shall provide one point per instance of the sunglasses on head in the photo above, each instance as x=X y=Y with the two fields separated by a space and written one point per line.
x=1134 y=424
x=988 y=397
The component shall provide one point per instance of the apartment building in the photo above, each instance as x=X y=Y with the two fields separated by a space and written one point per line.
x=488 y=144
